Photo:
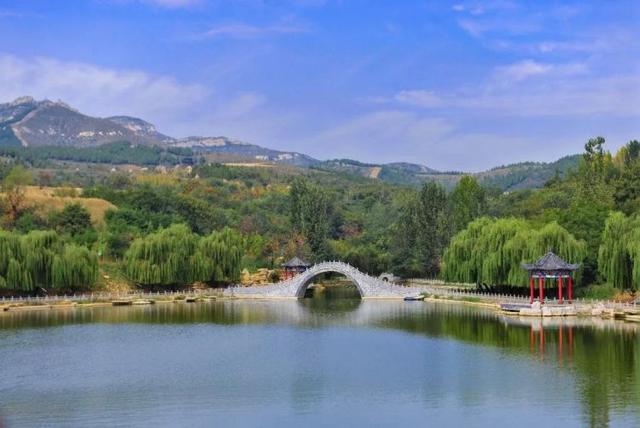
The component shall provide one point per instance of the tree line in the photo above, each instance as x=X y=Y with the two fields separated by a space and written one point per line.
x=258 y=217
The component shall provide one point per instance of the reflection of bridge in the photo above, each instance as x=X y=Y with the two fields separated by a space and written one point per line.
x=368 y=286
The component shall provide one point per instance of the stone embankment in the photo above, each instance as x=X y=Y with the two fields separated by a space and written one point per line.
x=107 y=299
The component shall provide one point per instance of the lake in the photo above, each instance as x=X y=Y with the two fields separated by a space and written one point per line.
x=323 y=361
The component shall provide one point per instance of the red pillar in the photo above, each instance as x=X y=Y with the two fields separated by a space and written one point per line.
x=531 y=290
x=532 y=340
x=570 y=290
x=570 y=342
x=560 y=343
x=541 y=289
x=541 y=341
x=560 y=289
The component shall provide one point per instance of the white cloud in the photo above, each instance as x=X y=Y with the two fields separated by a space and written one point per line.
x=420 y=98
x=530 y=88
x=483 y=26
x=9 y=14
x=172 y=3
x=617 y=95
x=167 y=4
x=242 y=30
x=97 y=90
x=243 y=103
x=523 y=70
x=380 y=135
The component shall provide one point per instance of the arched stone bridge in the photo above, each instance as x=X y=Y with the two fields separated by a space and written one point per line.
x=368 y=286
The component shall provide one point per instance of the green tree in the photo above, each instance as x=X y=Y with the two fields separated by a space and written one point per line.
x=41 y=260
x=222 y=252
x=491 y=251
x=310 y=212
x=73 y=219
x=175 y=256
x=76 y=267
x=468 y=202
x=595 y=172
x=619 y=255
x=627 y=186
x=166 y=258
x=13 y=187
x=421 y=232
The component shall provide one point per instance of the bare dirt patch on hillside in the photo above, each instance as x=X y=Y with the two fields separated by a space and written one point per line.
x=46 y=199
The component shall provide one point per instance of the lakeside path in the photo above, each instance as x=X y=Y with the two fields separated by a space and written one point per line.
x=581 y=308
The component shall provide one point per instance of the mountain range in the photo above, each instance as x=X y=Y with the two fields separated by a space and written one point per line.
x=30 y=123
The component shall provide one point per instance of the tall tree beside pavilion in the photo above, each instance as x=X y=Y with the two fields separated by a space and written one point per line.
x=468 y=202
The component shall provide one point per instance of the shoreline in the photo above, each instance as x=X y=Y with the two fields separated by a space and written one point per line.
x=593 y=310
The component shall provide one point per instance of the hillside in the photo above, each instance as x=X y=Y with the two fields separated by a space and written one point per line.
x=525 y=175
x=45 y=200
x=38 y=131
x=32 y=123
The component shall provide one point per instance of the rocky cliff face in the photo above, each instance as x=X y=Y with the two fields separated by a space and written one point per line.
x=44 y=123
x=30 y=123
x=251 y=152
x=141 y=128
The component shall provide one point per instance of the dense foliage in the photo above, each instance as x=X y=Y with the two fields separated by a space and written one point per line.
x=114 y=153
x=177 y=256
x=491 y=251
x=619 y=257
x=42 y=260
x=217 y=219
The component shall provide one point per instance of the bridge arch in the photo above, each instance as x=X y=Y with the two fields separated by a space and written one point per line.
x=305 y=278
x=368 y=286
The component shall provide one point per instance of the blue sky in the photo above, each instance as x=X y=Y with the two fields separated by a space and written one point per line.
x=463 y=85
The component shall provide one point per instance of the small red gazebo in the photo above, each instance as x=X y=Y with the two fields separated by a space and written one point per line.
x=551 y=266
x=293 y=267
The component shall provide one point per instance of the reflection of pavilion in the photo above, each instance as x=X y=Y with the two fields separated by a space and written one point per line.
x=550 y=266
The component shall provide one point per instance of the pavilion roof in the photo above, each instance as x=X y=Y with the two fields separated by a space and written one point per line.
x=550 y=262
x=295 y=262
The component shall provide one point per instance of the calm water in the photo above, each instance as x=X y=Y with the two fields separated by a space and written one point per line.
x=317 y=362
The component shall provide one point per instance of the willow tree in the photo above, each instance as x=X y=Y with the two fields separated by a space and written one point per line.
x=167 y=257
x=41 y=247
x=42 y=260
x=10 y=249
x=530 y=244
x=477 y=253
x=222 y=254
x=619 y=255
x=75 y=267
x=177 y=256
x=491 y=251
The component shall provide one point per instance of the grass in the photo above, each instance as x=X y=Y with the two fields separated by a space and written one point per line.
x=112 y=279
x=598 y=292
x=470 y=299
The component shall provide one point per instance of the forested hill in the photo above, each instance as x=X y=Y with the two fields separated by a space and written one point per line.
x=525 y=175
x=39 y=131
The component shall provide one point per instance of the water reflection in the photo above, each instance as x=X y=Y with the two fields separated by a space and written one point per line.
x=332 y=300
x=599 y=358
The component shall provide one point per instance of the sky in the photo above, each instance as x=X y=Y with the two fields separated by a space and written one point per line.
x=462 y=85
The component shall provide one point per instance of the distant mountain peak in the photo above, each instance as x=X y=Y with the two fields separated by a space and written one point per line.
x=140 y=127
x=28 y=122
x=22 y=100
x=197 y=141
